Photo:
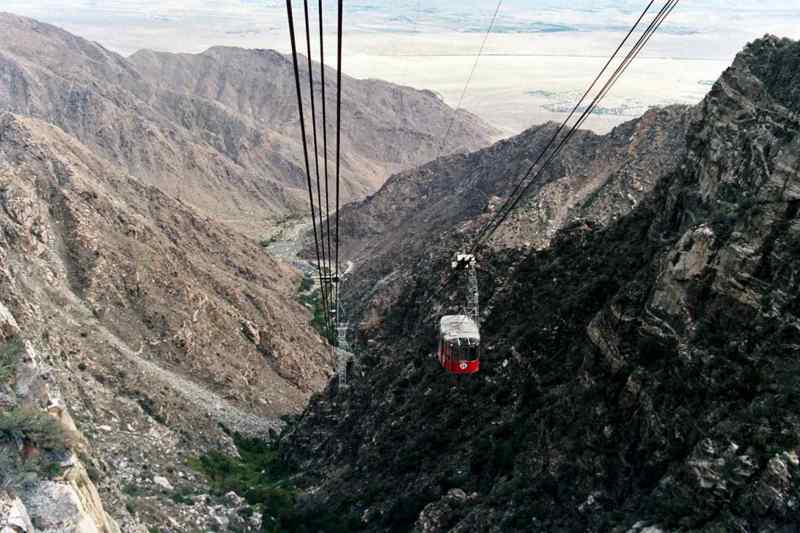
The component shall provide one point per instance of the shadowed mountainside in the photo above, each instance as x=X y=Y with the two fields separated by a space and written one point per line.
x=596 y=178
x=639 y=376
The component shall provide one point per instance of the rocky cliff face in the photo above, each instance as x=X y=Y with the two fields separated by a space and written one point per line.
x=638 y=376
x=219 y=129
x=44 y=484
x=159 y=326
x=596 y=178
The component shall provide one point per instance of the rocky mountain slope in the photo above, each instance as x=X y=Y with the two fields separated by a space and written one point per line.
x=596 y=178
x=386 y=127
x=219 y=129
x=159 y=328
x=637 y=376
x=44 y=482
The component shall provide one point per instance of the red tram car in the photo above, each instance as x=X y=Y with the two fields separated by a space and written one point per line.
x=459 y=344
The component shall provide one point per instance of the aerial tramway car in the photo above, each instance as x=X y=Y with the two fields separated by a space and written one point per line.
x=459 y=335
x=459 y=344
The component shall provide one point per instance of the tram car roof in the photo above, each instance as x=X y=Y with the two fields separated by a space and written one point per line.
x=453 y=327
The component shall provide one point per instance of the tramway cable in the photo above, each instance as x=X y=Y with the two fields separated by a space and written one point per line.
x=512 y=202
x=344 y=359
x=339 y=27
x=443 y=142
x=325 y=146
x=572 y=113
x=324 y=283
x=303 y=133
x=459 y=335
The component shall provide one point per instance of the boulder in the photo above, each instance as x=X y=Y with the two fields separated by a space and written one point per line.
x=163 y=482
x=251 y=332
x=71 y=505
x=8 y=324
x=29 y=386
x=13 y=515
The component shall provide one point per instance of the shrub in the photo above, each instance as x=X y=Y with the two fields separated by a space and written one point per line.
x=403 y=514
x=53 y=470
x=261 y=478
x=315 y=520
x=9 y=357
x=14 y=470
x=36 y=426
x=11 y=467
x=313 y=300
x=257 y=475
x=182 y=496
x=306 y=283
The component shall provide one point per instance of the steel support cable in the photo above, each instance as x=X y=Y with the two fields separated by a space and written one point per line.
x=460 y=102
x=469 y=79
x=408 y=56
x=643 y=40
x=333 y=293
x=413 y=32
x=668 y=7
x=324 y=286
x=325 y=152
x=569 y=117
x=303 y=128
x=338 y=127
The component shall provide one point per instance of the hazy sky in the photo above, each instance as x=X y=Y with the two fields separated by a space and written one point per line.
x=540 y=56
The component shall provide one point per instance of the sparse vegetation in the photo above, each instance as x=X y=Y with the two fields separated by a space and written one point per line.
x=132 y=490
x=319 y=324
x=591 y=198
x=257 y=475
x=265 y=243
x=11 y=467
x=9 y=357
x=262 y=479
x=15 y=469
x=182 y=496
x=36 y=426
x=53 y=470
x=310 y=297
x=306 y=284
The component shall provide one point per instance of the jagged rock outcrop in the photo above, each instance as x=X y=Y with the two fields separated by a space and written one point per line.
x=637 y=376
x=14 y=517
x=218 y=130
x=133 y=305
x=44 y=486
x=596 y=178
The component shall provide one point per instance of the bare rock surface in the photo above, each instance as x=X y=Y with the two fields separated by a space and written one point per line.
x=218 y=130
x=638 y=375
x=38 y=430
x=128 y=306
x=14 y=517
x=596 y=179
